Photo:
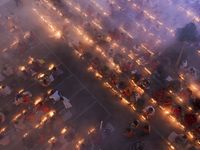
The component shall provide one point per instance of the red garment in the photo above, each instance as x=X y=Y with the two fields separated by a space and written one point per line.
x=159 y=95
x=176 y=111
x=154 y=64
x=167 y=102
x=30 y=117
x=44 y=108
x=186 y=94
x=190 y=119
x=128 y=134
x=25 y=98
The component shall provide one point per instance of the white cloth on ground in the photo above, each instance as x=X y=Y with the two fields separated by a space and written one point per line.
x=66 y=103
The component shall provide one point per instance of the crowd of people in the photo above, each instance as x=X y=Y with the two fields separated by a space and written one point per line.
x=131 y=69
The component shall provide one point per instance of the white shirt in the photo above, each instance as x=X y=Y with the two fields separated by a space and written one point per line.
x=55 y=96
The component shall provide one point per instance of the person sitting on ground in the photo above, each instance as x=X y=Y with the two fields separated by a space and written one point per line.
x=110 y=52
x=183 y=65
x=135 y=124
x=186 y=94
x=190 y=119
x=5 y=90
x=104 y=71
x=56 y=72
x=196 y=130
x=154 y=64
x=56 y=146
x=20 y=125
x=32 y=37
x=196 y=103
x=127 y=92
x=22 y=46
x=149 y=112
x=4 y=140
x=192 y=72
x=65 y=102
x=55 y=95
x=159 y=95
x=144 y=83
x=113 y=78
x=22 y=98
x=177 y=111
x=29 y=116
x=121 y=86
x=8 y=71
x=128 y=133
x=43 y=106
x=81 y=47
x=2 y=117
x=136 y=76
x=95 y=63
x=37 y=65
x=127 y=66
x=146 y=129
x=45 y=81
x=167 y=101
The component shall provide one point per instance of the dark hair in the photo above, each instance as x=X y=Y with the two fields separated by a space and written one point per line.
x=128 y=129
x=44 y=81
x=150 y=109
x=146 y=126
x=61 y=98
x=136 y=122
x=16 y=122
x=54 y=68
x=41 y=104
x=1 y=136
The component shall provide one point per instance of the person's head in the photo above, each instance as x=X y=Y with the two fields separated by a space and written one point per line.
x=44 y=81
x=53 y=145
x=41 y=103
x=61 y=98
x=146 y=126
x=54 y=68
x=1 y=136
x=150 y=109
x=136 y=122
x=128 y=129
x=193 y=116
x=184 y=137
x=16 y=122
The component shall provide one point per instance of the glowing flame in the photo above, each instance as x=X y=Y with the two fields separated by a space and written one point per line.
x=37 y=100
x=51 y=66
x=41 y=75
x=31 y=59
x=91 y=131
x=63 y=131
x=51 y=113
x=58 y=34
x=22 y=68
x=51 y=139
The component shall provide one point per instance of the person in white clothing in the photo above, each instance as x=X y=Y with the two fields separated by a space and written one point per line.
x=5 y=90
x=65 y=102
x=55 y=96
x=149 y=112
